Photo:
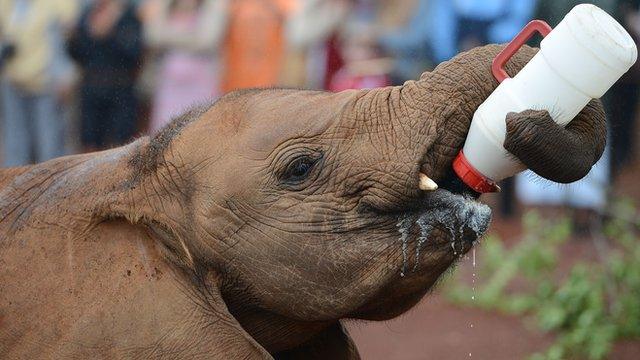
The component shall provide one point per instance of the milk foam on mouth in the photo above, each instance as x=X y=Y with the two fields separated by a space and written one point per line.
x=443 y=209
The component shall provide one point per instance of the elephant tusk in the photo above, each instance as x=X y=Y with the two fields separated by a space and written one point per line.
x=426 y=184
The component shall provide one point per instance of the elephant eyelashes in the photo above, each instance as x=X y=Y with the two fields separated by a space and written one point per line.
x=299 y=169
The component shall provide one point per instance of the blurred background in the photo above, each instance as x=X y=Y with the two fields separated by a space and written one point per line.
x=558 y=277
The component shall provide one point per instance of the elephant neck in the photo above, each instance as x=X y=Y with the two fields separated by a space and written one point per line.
x=8 y=174
x=81 y=191
x=274 y=332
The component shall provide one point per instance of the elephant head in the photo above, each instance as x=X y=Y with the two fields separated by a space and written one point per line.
x=302 y=208
x=308 y=206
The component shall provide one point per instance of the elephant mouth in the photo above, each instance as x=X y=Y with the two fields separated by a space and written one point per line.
x=433 y=234
x=442 y=219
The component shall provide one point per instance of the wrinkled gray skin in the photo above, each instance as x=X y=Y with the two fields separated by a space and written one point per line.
x=251 y=228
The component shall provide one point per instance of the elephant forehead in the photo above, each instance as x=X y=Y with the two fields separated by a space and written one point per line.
x=276 y=116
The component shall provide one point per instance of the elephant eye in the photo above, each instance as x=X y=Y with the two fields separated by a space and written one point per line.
x=299 y=169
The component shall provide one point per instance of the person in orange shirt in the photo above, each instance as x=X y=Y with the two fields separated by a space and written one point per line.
x=255 y=47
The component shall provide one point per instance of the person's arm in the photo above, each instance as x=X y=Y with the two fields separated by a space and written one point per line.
x=212 y=25
x=156 y=20
x=66 y=13
x=126 y=37
x=629 y=5
x=628 y=11
x=519 y=12
x=78 y=42
x=444 y=31
x=415 y=35
x=4 y=11
x=542 y=11
x=63 y=72
x=314 y=21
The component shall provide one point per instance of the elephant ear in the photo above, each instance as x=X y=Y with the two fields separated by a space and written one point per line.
x=561 y=154
x=146 y=188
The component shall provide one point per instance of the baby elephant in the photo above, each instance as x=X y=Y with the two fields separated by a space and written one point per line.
x=252 y=227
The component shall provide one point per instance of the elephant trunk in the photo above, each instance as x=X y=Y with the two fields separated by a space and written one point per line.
x=440 y=105
x=419 y=127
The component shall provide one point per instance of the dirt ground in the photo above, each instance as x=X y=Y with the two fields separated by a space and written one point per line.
x=435 y=329
x=438 y=330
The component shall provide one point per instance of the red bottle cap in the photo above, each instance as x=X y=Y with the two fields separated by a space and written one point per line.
x=472 y=177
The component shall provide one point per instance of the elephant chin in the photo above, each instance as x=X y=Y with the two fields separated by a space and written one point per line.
x=432 y=237
x=439 y=230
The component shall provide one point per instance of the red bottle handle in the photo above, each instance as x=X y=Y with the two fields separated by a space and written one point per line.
x=465 y=171
x=527 y=33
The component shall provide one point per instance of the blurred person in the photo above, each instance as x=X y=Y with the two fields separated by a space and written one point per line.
x=35 y=76
x=436 y=30
x=621 y=101
x=107 y=45
x=406 y=34
x=331 y=61
x=553 y=11
x=460 y=25
x=255 y=43
x=188 y=34
x=587 y=198
x=309 y=31
x=365 y=66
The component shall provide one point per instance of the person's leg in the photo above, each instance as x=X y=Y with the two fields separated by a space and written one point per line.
x=621 y=103
x=92 y=118
x=472 y=33
x=15 y=131
x=627 y=122
x=48 y=128
x=588 y=198
x=124 y=116
x=507 y=198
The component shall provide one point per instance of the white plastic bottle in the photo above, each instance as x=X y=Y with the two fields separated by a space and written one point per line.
x=578 y=60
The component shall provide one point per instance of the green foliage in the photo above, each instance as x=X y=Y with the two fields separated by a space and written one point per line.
x=588 y=308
